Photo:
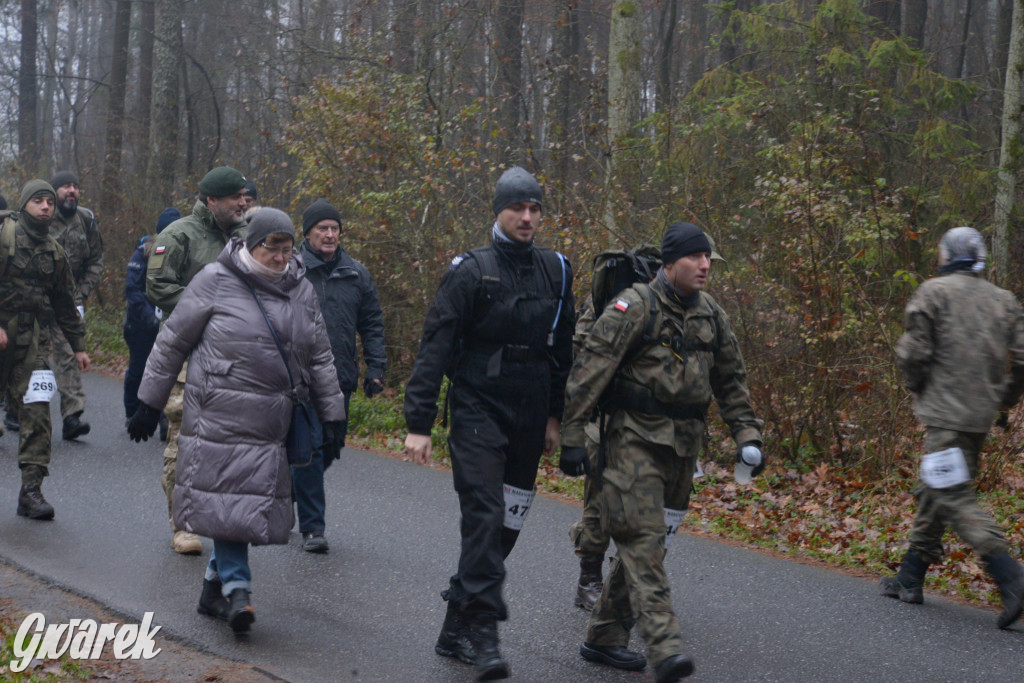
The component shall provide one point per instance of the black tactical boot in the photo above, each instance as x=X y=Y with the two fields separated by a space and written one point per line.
x=11 y=422
x=588 y=588
x=1010 y=577
x=31 y=503
x=613 y=655
x=673 y=669
x=75 y=427
x=454 y=639
x=212 y=602
x=908 y=584
x=483 y=632
x=240 y=612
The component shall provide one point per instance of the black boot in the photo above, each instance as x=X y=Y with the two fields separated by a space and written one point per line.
x=483 y=632
x=212 y=602
x=240 y=612
x=673 y=669
x=1010 y=577
x=75 y=426
x=454 y=639
x=590 y=585
x=31 y=503
x=908 y=584
x=613 y=655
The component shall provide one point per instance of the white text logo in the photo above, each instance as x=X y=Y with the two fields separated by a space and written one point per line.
x=81 y=639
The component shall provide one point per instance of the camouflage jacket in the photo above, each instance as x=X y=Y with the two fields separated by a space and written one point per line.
x=960 y=331
x=706 y=365
x=36 y=286
x=181 y=250
x=80 y=238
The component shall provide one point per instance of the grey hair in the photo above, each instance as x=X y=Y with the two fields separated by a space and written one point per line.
x=963 y=245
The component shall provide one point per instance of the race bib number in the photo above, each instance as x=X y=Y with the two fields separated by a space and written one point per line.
x=673 y=518
x=944 y=469
x=41 y=387
x=517 y=504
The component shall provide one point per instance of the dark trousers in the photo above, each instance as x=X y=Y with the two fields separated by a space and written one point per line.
x=308 y=486
x=140 y=343
x=496 y=438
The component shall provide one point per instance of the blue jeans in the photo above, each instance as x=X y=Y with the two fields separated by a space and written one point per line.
x=229 y=562
x=308 y=487
x=140 y=343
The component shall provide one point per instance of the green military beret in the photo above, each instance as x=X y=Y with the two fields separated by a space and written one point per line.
x=222 y=181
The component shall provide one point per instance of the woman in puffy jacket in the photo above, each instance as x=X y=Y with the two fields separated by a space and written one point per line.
x=232 y=482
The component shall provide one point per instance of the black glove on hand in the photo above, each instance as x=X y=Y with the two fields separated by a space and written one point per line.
x=574 y=461
x=372 y=387
x=1003 y=419
x=334 y=441
x=143 y=423
x=752 y=444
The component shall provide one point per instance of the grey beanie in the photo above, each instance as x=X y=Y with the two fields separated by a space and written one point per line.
x=267 y=222
x=516 y=185
x=62 y=178
x=963 y=247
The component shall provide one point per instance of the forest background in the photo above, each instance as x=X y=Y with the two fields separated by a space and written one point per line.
x=826 y=145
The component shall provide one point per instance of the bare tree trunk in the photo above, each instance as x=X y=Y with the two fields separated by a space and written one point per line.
x=508 y=85
x=913 y=17
x=163 y=133
x=667 y=25
x=624 y=56
x=28 y=80
x=109 y=182
x=886 y=11
x=47 y=118
x=1010 y=153
x=144 y=101
x=565 y=103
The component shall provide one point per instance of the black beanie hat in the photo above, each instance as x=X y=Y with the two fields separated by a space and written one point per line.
x=62 y=178
x=320 y=210
x=267 y=222
x=3 y=203
x=250 y=190
x=516 y=185
x=166 y=217
x=683 y=239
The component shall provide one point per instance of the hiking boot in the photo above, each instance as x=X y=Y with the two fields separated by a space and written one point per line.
x=590 y=584
x=454 y=639
x=31 y=503
x=212 y=602
x=673 y=669
x=240 y=612
x=186 y=543
x=483 y=633
x=75 y=427
x=164 y=426
x=314 y=542
x=11 y=422
x=1010 y=577
x=613 y=655
x=908 y=584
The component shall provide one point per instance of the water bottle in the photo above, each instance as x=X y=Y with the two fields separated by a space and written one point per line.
x=750 y=457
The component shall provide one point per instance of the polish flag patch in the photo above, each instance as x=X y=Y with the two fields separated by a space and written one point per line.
x=159 y=250
x=621 y=305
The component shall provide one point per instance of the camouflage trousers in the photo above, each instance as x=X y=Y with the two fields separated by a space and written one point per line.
x=589 y=540
x=639 y=481
x=36 y=428
x=173 y=413
x=955 y=507
x=69 y=377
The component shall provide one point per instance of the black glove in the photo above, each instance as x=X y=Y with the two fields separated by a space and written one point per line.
x=752 y=444
x=143 y=423
x=334 y=441
x=574 y=461
x=372 y=387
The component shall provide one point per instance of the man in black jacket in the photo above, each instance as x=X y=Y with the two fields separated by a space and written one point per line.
x=348 y=300
x=501 y=328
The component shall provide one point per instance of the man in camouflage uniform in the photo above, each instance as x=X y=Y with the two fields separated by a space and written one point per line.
x=184 y=248
x=665 y=350
x=589 y=540
x=960 y=331
x=36 y=294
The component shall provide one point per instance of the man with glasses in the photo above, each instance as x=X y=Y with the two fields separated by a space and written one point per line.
x=184 y=248
x=349 y=302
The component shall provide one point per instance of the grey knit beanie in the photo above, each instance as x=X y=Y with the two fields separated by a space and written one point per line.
x=516 y=185
x=267 y=222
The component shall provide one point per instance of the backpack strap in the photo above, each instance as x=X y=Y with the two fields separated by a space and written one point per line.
x=554 y=266
x=8 y=226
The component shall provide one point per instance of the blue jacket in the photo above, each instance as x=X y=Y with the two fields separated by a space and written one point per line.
x=140 y=314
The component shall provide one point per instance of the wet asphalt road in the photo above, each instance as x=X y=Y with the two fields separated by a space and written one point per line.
x=369 y=610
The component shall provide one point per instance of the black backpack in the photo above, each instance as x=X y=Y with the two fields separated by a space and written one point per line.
x=616 y=270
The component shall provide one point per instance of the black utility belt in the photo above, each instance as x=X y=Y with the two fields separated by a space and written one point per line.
x=626 y=395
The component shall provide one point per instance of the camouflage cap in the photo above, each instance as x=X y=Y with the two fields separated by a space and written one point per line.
x=222 y=181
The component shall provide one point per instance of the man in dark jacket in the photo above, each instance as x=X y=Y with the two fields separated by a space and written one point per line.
x=962 y=334
x=501 y=328
x=348 y=300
